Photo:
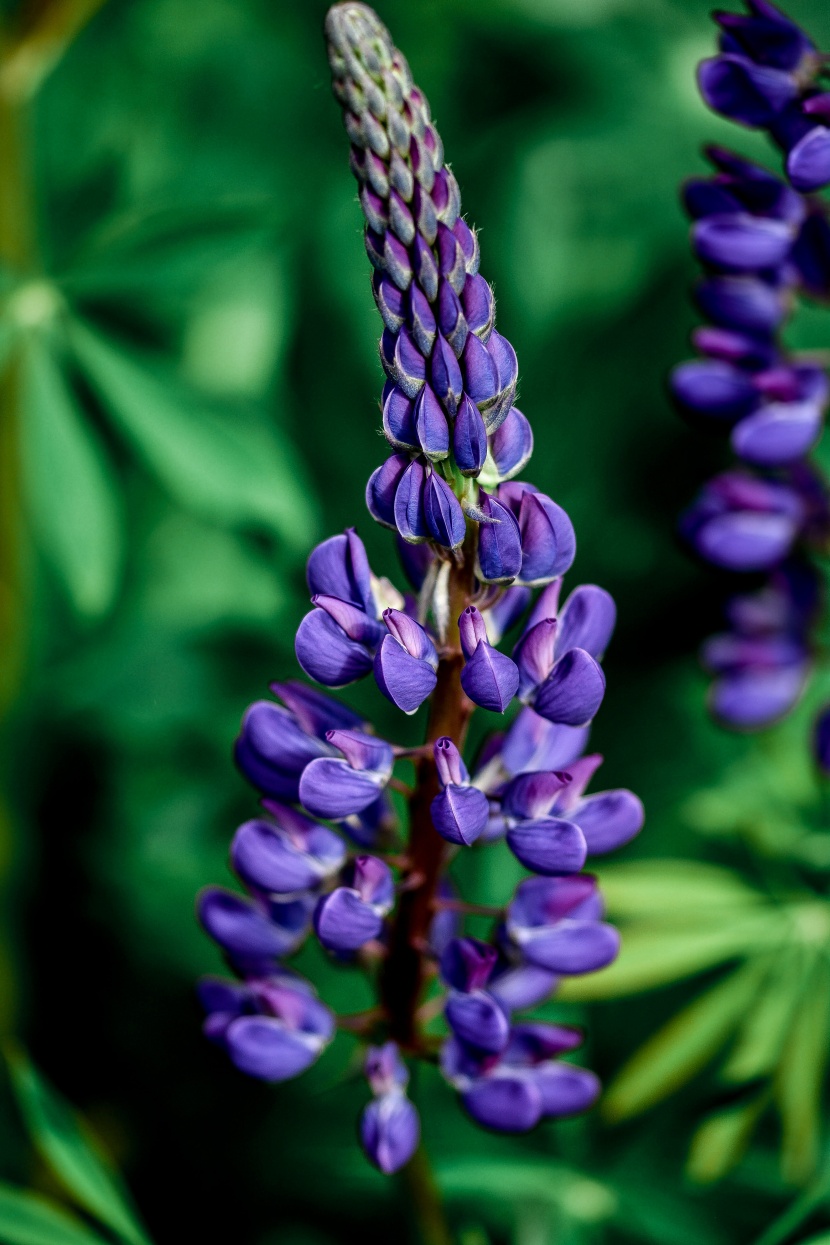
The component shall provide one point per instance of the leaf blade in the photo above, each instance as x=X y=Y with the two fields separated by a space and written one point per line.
x=28 y=1219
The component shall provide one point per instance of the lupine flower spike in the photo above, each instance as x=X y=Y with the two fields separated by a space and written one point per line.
x=763 y=242
x=324 y=855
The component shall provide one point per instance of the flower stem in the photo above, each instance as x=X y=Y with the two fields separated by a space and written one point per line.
x=404 y=974
x=428 y=1208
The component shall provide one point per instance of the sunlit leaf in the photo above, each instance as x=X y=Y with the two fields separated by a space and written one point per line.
x=682 y=1047
x=221 y=464
x=764 y=1029
x=653 y=955
x=61 y=1139
x=28 y=1219
x=800 y=1075
x=651 y=889
x=721 y=1140
x=70 y=489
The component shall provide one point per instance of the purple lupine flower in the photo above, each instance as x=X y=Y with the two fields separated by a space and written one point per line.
x=513 y=1091
x=762 y=243
x=460 y=811
x=273 y=1028
x=474 y=1014
x=332 y=850
x=767 y=76
x=389 y=1127
x=352 y=914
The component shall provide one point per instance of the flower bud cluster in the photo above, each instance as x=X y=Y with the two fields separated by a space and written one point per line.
x=329 y=856
x=763 y=243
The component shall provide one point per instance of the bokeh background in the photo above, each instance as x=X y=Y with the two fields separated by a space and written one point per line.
x=189 y=402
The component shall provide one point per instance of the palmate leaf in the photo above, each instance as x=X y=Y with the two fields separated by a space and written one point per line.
x=654 y=955
x=650 y=890
x=800 y=1076
x=685 y=1045
x=70 y=491
x=28 y=1219
x=222 y=465
x=765 y=1027
x=721 y=1140
x=60 y=1139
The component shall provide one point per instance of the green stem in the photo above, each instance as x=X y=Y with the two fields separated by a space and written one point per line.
x=428 y=1210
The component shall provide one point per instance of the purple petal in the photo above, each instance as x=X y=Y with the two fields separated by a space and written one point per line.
x=511 y=445
x=445 y=375
x=479 y=306
x=779 y=433
x=566 y=1090
x=507 y=374
x=272 y=749
x=548 y=846
x=523 y=987
x=399 y=419
x=343 y=922
x=573 y=692
x=405 y=680
x=410 y=519
x=448 y=762
x=314 y=710
x=469 y=438
x=372 y=878
x=472 y=630
x=356 y=624
x=533 y=743
x=490 y=678
x=499 y=543
x=467 y=963
x=431 y=425
x=742 y=243
x=544 y=901
x=480 y=375
x=264 y=1048
x=390 y=302
x=509 y=1104
x=331 y=788
x=609 y=819
x=385 y=1070
x=742 y=302
x=533 y=795
x=478 y=1021
x=444 y=516
x=750 y=94
x=451 y=317
x=460 y=814
x=339 y=567
x=808 y=164
x=714 y=388
x=587 y=621
x=327 y=654
x=535 y=1042
x=746 y=540
x=268 y=861
x=548 y=539
x=421 y=320
x=362 y=751
x=571 y=946
x=754 y=699
x=389 y=1132
x=535 y=655
x=238 y=925
x=383 y=487
x=411 y=635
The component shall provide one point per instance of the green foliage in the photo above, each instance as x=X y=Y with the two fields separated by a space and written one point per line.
x=27 y=1219
x=62 y=1142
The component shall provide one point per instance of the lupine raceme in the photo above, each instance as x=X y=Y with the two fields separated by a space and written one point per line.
x=327 y=853
x=764 y=244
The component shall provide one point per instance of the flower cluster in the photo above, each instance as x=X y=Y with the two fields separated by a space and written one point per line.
x=327 y=854
x=769 y=76
x=763 y=243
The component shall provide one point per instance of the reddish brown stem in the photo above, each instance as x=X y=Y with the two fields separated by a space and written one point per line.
x=404 y=973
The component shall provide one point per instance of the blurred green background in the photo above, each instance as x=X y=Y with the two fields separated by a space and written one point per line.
x=189 y=401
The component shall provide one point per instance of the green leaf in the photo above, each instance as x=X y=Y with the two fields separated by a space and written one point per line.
x=653 y=956
x=721 y=1140
x=765 y=1026
x=215 y=461
x=800 y=1076
x=655 y=889
x=61 y=1139
x=27 y=1219
x=521 y=1180
x=682 y=1047
x=69 y=487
